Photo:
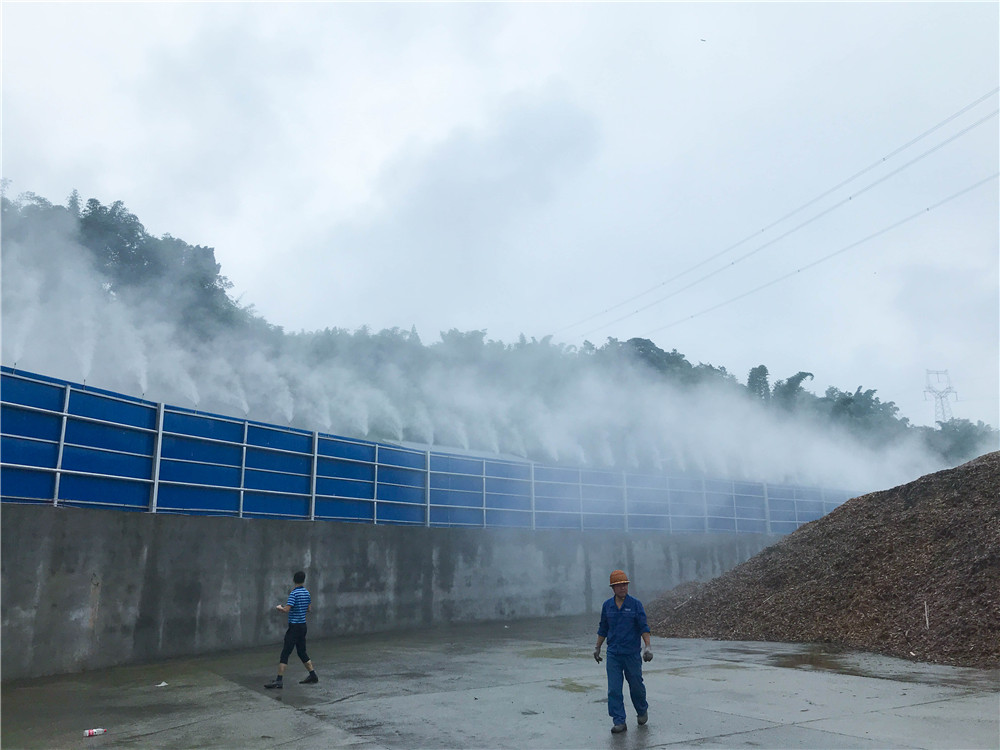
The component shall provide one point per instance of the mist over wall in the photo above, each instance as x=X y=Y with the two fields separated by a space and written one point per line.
x=65 y=316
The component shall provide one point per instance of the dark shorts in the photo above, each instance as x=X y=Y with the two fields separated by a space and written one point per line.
x=295 y=638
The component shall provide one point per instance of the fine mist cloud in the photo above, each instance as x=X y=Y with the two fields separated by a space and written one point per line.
x=532 y=400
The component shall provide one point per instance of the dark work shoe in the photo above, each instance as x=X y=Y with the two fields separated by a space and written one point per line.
x=618 y=728
x=642 y=719
x=309 y=680
x=274 y=684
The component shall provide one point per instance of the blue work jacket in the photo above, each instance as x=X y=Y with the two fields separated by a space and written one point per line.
x=623 y=628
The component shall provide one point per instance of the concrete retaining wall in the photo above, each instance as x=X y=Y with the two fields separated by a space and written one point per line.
x=85 y=589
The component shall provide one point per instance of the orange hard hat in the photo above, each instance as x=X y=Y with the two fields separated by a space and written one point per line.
x=618 y=576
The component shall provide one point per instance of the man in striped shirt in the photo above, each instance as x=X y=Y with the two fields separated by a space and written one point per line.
x=299 y=603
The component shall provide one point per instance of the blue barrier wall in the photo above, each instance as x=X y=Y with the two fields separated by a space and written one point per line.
x=72 y=445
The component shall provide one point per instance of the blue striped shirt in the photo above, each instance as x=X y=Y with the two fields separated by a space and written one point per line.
x=299 y=601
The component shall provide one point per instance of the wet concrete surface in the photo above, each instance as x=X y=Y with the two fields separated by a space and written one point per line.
x=526 y=685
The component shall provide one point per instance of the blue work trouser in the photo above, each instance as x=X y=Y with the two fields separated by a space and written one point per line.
x=628 y=666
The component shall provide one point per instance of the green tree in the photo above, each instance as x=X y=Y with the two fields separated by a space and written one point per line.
x=757 y=384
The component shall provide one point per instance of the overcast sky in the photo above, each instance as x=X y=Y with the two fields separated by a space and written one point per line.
x=582 y=170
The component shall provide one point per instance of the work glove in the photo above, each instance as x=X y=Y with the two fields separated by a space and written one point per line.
x=647 y=653
x=597 y=655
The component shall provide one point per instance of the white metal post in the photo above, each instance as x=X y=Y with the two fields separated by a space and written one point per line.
x=375 y=490
x=243 y=464
x=312 y=477
x=154 y=491
x=62 y=442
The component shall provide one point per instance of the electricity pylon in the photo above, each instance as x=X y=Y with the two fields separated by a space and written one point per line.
x=936 y=379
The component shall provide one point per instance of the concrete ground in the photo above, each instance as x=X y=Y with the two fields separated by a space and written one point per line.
x=525 y=685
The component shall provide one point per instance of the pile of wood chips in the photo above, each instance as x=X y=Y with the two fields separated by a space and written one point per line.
x=912 y=572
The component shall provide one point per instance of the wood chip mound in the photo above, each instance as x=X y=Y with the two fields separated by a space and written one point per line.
x=912 y=572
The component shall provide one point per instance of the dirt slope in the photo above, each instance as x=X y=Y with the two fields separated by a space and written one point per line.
x=913 y=572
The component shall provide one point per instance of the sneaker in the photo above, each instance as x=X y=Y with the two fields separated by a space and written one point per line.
x=618 y=728
x=309 y=680
x=642 y=719
x=274 y=684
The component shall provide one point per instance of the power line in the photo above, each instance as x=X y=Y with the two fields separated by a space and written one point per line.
x=805 y=205
x=825 y=258
x=796 y=228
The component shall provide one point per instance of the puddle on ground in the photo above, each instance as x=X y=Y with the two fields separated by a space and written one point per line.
x=572 y=686
x=817 y=659
x=555 y=652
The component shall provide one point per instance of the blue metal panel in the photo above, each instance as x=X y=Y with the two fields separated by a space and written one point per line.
x=782 y=515
x=354 y=510
x=721 y=486
x=548 y=489
x=590 y=492
x=95 y=461
x=261 y=458
x=203 y=426
x=644 y=507
x=646 y=481
x=808 y=493
x=393 y=457
x=508 y=486
x=568 y=505
x=106 y=409
x=181 y=498
x=746 y=511
x=406 y=477
x=755 y=489
x=685 y=484
x=508 y=470
x=721 y=524
x=296 y=441
x=457 y=482
x=456 y=517
x=29 y=452
x=683 y=523
x=345 y=488
x=332 y=467
x=109 y=437
x=398 y=494
x=26 y=483
x=457 y=498
x=450 y=464
x=31 y=393
x=262 y=504
x=192 y=449
x=605 y=478
x=192 y=473
x=14 y=421
x=508 y=518
x=553 y=474
x=776 y=491
x=754 y=527
x=508 y=502
x=346 y=449
x=104 y=491
x=719 y=505
x=391 y=513
x=266 y=480
x=781 y=506
x=648 y=495
x=604 y=506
